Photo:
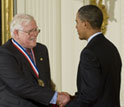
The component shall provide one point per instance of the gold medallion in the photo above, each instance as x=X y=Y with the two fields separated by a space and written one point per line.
x=41 y=83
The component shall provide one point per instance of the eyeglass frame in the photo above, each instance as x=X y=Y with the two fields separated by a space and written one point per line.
x=31 y=31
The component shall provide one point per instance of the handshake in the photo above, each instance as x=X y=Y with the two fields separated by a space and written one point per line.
x=63 y=98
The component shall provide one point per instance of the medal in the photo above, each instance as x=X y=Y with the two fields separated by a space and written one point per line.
x=41 y=83
x=22 y=50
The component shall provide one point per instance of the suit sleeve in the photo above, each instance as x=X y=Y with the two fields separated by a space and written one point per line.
x=13 y=78
x=89 y=77
x=88 y=80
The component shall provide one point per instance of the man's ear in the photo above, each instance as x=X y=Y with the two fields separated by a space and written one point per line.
x=15 y=32
x=87 y=24
x=84 y=24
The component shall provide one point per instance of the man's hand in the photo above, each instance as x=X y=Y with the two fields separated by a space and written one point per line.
x=62 y=99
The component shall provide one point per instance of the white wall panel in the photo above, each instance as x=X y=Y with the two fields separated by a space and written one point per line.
x=71 y=45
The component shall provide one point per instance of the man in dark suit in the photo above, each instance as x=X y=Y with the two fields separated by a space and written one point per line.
x=99 y=71
x=24 y=68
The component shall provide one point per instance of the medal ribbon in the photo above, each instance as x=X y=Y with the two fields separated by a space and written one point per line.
x=32 y=52
x=22 y=50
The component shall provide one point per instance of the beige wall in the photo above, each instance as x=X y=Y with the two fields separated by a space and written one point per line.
x=56 y=19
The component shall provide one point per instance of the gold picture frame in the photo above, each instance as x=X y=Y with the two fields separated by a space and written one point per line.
x=7 y=15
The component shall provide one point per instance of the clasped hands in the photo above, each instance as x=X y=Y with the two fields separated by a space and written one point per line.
x=63 y=98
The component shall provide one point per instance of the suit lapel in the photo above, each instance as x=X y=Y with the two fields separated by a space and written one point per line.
x=40 y=61
x=20 y=57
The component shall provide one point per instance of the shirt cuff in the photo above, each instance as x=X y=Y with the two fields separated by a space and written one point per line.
x=54 y=98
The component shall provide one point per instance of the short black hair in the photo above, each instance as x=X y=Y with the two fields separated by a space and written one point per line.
x=92 y=14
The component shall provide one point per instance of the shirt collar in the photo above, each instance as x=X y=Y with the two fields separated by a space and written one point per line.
x=91 y=37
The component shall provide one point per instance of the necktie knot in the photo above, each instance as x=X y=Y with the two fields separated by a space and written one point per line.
x=29 y=53
x=28 y=50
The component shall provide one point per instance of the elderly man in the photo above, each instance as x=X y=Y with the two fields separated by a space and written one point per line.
x=24 y=68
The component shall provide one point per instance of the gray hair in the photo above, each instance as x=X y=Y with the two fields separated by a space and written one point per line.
x=17 y=21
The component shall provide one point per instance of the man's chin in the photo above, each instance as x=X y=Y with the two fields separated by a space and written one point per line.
x=34 y=45
x=80 y=38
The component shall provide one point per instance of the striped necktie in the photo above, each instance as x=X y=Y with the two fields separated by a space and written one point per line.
x=29 y=53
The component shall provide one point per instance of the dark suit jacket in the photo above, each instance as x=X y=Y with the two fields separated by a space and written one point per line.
x=18 y=83
x=98 y=79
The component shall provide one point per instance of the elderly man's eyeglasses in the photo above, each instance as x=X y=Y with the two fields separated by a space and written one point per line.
x=32 y=31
